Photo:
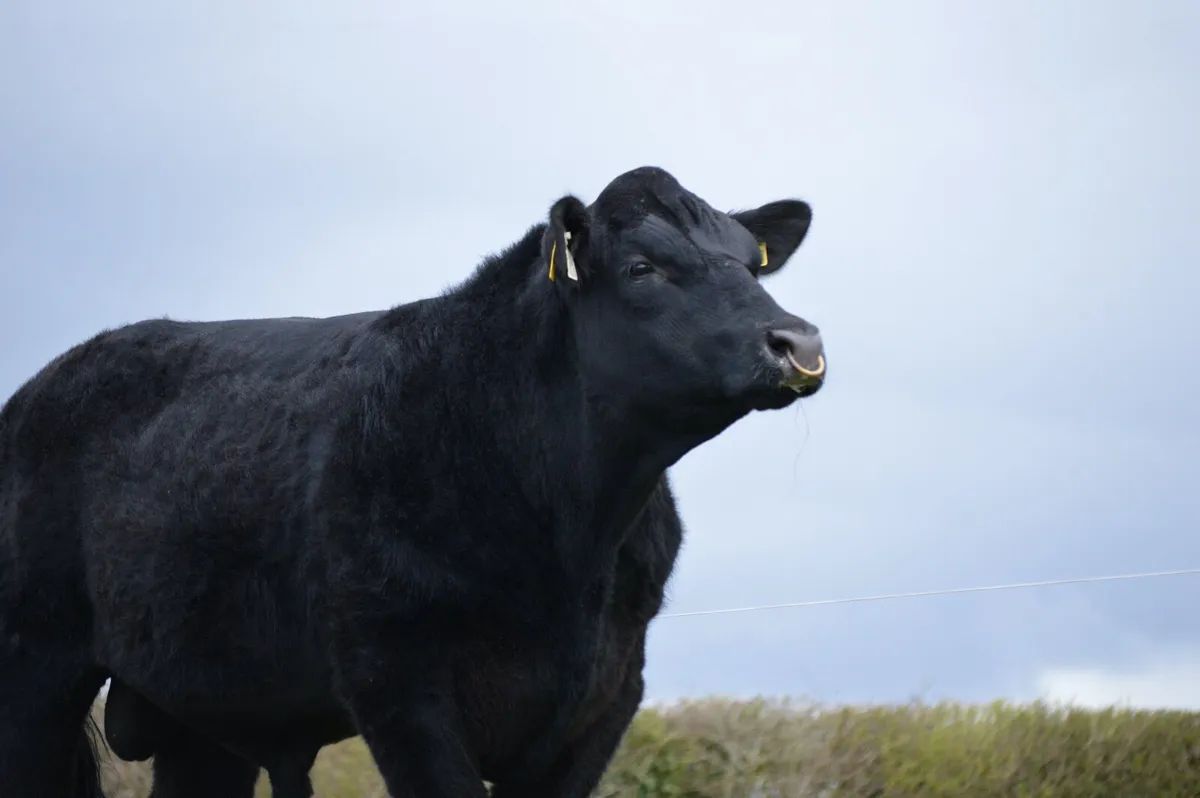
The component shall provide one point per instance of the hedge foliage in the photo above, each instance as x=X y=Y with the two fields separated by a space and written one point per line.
x=767 y=749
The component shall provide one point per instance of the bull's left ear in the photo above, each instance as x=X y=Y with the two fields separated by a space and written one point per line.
x=565 y=243
x=779 y=227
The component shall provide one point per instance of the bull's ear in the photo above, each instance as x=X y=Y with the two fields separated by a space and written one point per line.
x=779 y=226
x=565 y=243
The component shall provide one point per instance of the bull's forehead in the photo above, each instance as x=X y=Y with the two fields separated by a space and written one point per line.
x=716 y=237
x=649 y=203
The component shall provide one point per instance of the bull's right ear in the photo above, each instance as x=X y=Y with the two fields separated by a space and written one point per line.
x=564 y=246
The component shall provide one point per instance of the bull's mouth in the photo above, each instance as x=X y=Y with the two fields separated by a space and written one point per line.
x=803 y=379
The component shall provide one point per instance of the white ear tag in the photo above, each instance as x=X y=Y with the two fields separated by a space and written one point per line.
x=574 y=275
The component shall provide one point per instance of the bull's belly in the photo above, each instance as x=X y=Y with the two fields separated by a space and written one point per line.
x=276 y=678
x=265 y=731
x=264 y=737
x=207 y=660
x=191 y=630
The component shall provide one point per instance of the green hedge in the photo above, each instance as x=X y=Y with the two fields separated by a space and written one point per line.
x=766 y=749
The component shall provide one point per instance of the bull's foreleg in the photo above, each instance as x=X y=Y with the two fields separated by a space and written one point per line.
x=403 y=706
x=581 y=764
x=188 y=765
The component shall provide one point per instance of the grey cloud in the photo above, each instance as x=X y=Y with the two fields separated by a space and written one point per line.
x=1001 y=261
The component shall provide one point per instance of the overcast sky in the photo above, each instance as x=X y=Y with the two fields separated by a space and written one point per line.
x=1003 y=262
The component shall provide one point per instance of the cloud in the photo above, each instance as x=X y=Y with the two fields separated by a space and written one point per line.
x=1001 y=263
x=1165 y=680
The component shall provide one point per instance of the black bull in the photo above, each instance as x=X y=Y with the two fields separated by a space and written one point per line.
x=445 y=526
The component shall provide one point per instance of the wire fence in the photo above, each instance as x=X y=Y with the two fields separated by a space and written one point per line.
x=944 y=592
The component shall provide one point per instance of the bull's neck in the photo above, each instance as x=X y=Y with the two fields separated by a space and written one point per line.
x=629 y=456
x=590 y=460
x=603 y=460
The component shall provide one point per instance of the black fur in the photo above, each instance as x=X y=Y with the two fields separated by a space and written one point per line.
x=444 y=526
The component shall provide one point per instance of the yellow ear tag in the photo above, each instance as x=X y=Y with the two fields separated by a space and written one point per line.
x=762 y=247
x=571 y=271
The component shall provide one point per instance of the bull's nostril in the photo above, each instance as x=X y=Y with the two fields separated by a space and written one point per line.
x=801 y=349
x=778 y=345
x=784 y=341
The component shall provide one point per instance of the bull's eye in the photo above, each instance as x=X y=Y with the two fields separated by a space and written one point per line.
x=640 y=268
